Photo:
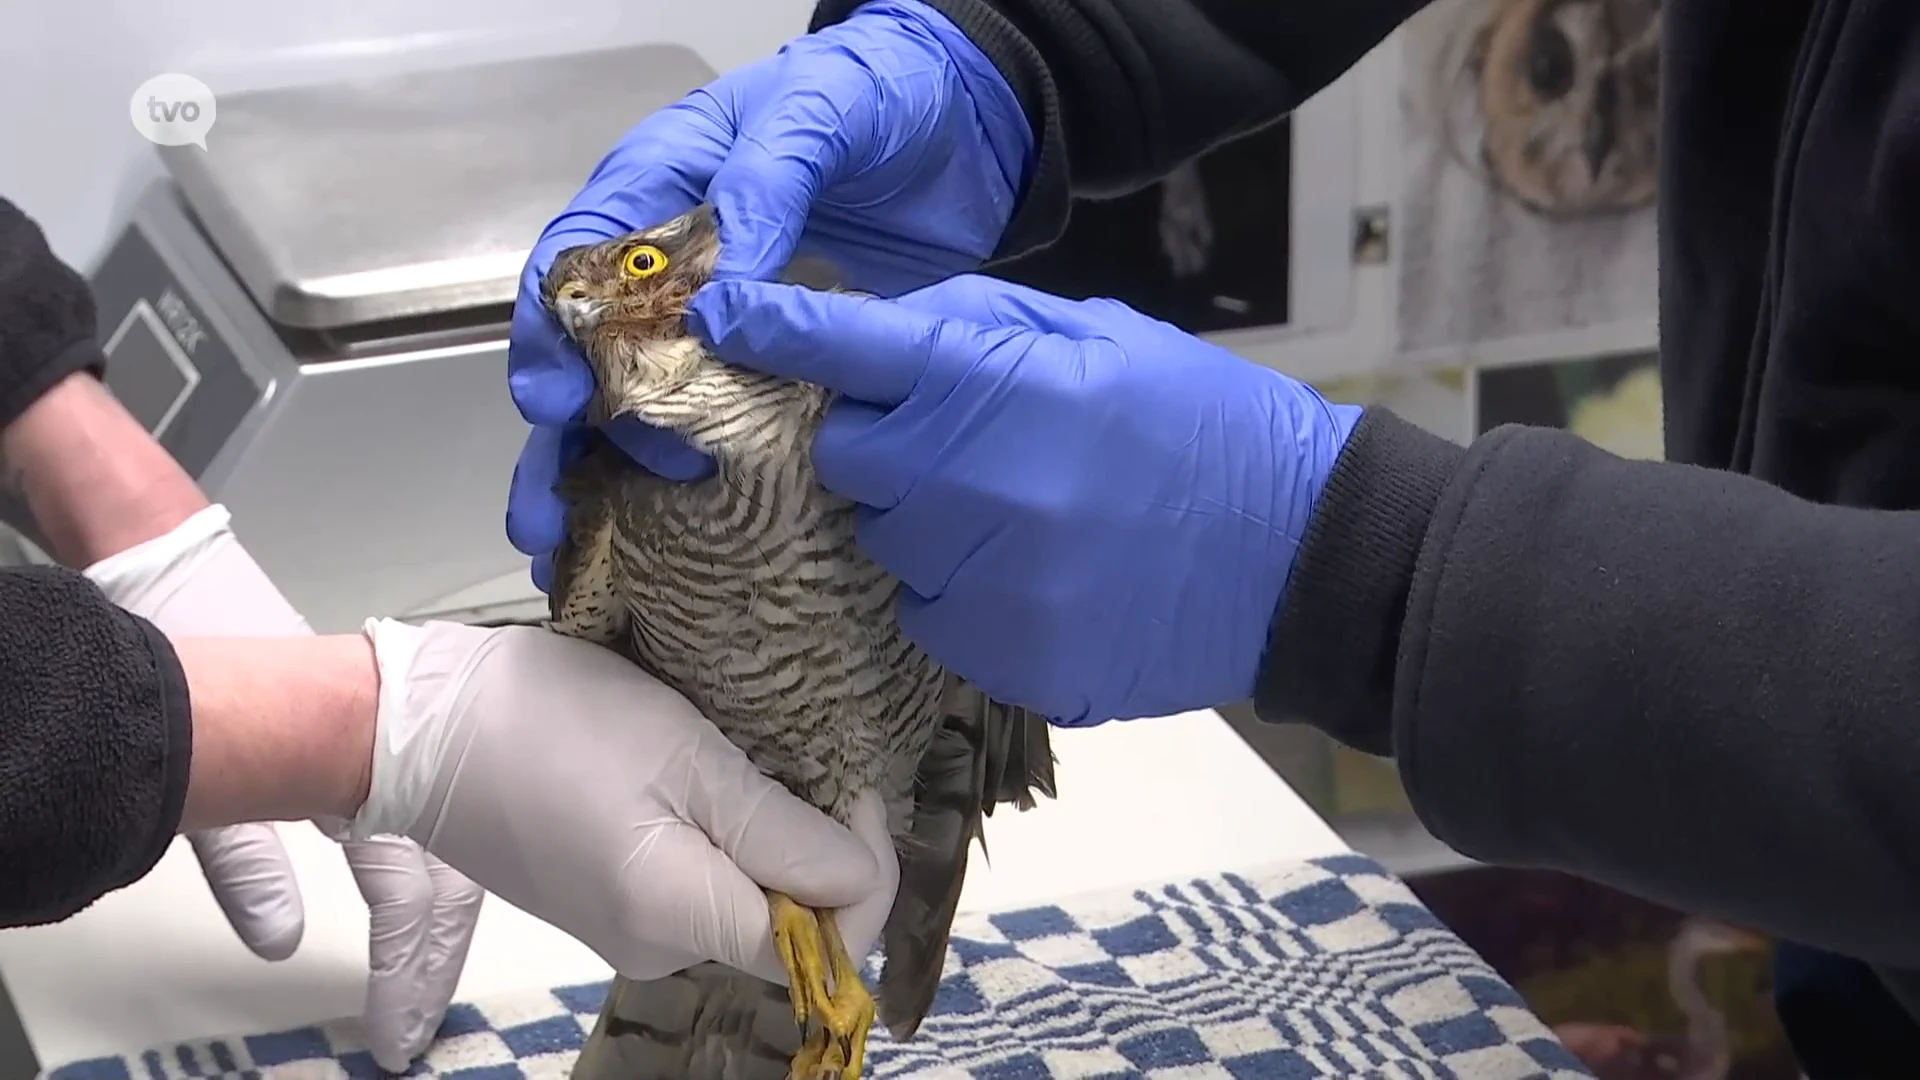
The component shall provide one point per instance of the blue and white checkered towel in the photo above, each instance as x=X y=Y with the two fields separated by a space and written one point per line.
x=1324 y=969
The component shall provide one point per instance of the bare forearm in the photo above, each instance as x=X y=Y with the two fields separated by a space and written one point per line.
x=95 y=481
x=282 y=727
x=120 y=735
x=117 y=738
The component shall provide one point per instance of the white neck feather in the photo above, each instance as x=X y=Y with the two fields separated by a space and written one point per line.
x=744 y=419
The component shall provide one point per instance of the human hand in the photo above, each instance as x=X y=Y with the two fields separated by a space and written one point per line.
x=198 y=581
x=1094 y=514
x=572 y=784
x=887 y=144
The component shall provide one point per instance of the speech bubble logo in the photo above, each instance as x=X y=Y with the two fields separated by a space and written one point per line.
x=173 y=110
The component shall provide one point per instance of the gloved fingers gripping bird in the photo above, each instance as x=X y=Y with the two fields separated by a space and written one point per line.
x=746 y=593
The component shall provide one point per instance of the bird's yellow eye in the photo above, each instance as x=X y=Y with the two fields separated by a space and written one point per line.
x=645 y=261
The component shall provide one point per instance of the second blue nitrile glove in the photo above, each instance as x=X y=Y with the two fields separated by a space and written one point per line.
x=1094 y=513
x=887 y=144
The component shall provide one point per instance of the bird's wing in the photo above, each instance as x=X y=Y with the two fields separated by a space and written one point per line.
x=588 y=599
x=984 y=754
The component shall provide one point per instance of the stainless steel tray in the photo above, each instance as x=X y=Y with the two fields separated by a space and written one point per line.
x=356 y=202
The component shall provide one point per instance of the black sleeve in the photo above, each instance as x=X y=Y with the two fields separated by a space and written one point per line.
x=1679 y=681
x=46 y=317
x=1120 y=92
x=95 y=742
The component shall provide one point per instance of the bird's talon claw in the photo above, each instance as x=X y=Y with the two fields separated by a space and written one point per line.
x=796 y=937
x=824 y=985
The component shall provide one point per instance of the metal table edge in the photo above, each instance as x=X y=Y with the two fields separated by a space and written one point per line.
x=17 y=1059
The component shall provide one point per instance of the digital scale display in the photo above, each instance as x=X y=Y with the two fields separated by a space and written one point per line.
x=147 y=369
x=167 y=361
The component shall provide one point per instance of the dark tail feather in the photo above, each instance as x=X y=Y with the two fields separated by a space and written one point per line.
x=1020 y=762
x=709 y=1021
x=984 y=754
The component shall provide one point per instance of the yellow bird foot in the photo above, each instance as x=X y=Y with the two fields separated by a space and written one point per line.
x=830 y=1001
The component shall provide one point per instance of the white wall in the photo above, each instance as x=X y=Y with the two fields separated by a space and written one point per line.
x=1370 y=337
x=69 y=155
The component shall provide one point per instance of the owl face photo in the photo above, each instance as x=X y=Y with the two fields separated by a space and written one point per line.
x=624 y=301
x=1530 y=169
x=1569 y=94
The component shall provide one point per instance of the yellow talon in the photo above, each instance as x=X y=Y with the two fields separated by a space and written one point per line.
x=824 y=985
x=796 y=936
x=850 y=1013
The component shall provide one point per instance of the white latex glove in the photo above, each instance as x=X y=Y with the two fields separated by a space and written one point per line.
x=197 y=581
x=572 y=784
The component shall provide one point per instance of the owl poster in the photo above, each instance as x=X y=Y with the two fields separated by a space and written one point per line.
x=1529 y=164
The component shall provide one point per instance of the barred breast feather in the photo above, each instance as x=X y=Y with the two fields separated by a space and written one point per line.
x=747 y=593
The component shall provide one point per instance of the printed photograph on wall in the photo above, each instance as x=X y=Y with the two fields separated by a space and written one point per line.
x=1610 y=401
x=1206 y=249
x=1530 y=138
x=1633 y=989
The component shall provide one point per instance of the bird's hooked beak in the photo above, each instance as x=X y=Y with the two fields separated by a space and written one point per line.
x=578 y=313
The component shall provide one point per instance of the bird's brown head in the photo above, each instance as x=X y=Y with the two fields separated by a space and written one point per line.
x=624 y=303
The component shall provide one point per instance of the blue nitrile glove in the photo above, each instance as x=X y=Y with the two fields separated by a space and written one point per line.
x=887 y=144
x=1094 y=513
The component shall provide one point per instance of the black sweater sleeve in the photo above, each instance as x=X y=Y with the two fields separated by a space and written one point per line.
x=1683 y=682
x=95 y=729
x=1120 y=92
x=46 y=317
x=95 y=742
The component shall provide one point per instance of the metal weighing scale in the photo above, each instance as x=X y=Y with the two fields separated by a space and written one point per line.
x=311 y=315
